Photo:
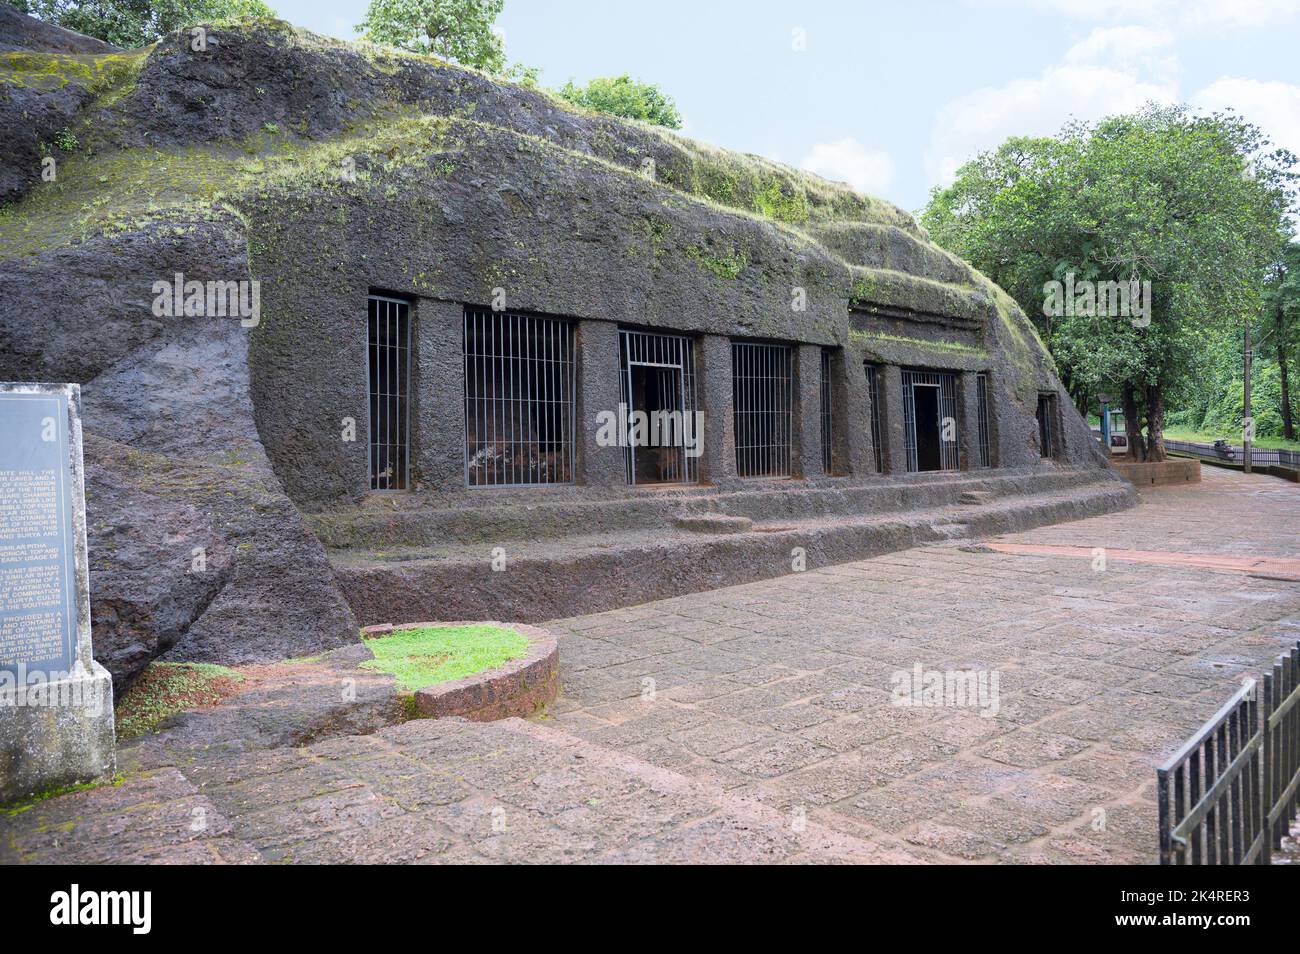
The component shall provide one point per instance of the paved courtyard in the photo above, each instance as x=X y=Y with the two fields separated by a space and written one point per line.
x=757 y=723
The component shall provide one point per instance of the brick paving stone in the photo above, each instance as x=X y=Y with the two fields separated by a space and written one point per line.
x=757 y=724
x=1032 y=748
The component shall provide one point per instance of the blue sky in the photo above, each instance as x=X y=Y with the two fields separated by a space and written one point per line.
x=893 y=96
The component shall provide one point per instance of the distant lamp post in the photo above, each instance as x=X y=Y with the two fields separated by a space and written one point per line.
x=1247 y=419
x=1105 y=400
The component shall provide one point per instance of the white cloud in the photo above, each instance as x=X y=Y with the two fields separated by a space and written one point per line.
x=1146 y=51
x=1241 y=13
x=1272 y=106
x=1114 y=70
x=847 y=160
x=1196 y=13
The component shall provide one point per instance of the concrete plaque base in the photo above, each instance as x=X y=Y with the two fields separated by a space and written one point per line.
x=56 y=733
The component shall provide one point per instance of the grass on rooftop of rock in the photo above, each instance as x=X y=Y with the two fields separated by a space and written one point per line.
x=428 y=655
x=164 y=689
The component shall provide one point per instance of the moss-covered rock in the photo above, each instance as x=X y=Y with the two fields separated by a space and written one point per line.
x=325 y=170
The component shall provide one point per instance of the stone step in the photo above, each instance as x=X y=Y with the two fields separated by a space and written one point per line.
x=535 y=581
x=712 y=523
x=500 y=514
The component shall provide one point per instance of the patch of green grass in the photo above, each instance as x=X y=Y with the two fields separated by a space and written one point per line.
x=1199 y=437
x=31 y=801
x=921 y=343
x=164 y=689
x=729 y=264
x=429 y=655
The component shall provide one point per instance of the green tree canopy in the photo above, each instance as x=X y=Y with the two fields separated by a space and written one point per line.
x=1192 y=204
x=135 y=23
x=624 y=96
x=456 y=30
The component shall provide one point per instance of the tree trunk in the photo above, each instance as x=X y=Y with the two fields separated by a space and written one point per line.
x=1137 y=450
x=1155 y=423
x=1288 y=424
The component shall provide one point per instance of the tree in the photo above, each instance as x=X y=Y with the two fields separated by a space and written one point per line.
x=1194 y=205
x=456 y=30
x=624 y=96
x=1282 y=305
x=135 y=23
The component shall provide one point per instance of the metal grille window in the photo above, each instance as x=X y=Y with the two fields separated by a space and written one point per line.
x=930 y=420
x=873 y=391
x=761 y=386
x=388 y=383
x=519 y=399
x=1046 y=415
x=982 y=419
x=658 y=380
x=828 y=419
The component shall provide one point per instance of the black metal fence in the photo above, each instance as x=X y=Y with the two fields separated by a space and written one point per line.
x=1259 y=456
x=1231 y=793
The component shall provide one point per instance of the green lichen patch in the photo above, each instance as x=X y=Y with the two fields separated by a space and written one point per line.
x=886 y=287
x=165 y=689
x=725 y=264
x=429 y=655
x=31 y=801
x=99 y=73
x=120 y=191
x=770 y=189
x=955 y=347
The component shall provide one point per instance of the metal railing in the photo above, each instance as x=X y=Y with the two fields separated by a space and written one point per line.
x=828 y=415
x=982 y=419
x=1234 y=454
x=1231 y=793
x=762 y=387
x=388 y=384
x=657 y=378
x=520 y=383
x=927 y=428
x=874 y=389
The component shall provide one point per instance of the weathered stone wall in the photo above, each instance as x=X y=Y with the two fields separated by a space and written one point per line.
x=327 y=171
x=191 y=539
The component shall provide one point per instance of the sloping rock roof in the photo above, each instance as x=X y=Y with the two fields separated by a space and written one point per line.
x=279 y=152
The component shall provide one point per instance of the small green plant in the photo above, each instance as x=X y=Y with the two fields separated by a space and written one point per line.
x=272 y=128
x=66 y=140
x=726 y=265
x=31 y=801
x=428 y=655
x=164 y=689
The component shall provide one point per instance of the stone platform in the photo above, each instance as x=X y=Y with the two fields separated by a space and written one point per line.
x=754 y=723
x=545 y=559
x=1154 y=473
x=520 y=687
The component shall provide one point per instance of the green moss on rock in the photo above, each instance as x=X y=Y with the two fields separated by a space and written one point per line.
x=99 y=73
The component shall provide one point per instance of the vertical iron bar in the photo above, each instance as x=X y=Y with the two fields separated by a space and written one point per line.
x=1194 y=799
x=1211 y=828
x=1270 y=782
x=1180 y=810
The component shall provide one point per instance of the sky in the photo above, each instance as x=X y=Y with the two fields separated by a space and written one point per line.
x=892 y=97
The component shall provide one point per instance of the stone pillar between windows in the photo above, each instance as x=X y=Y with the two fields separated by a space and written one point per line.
x=438 y=421
x=598 y=391
x=968 y=421
x=852 y=403
x=891 y=419
x=718 y=463
x=806 y=406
